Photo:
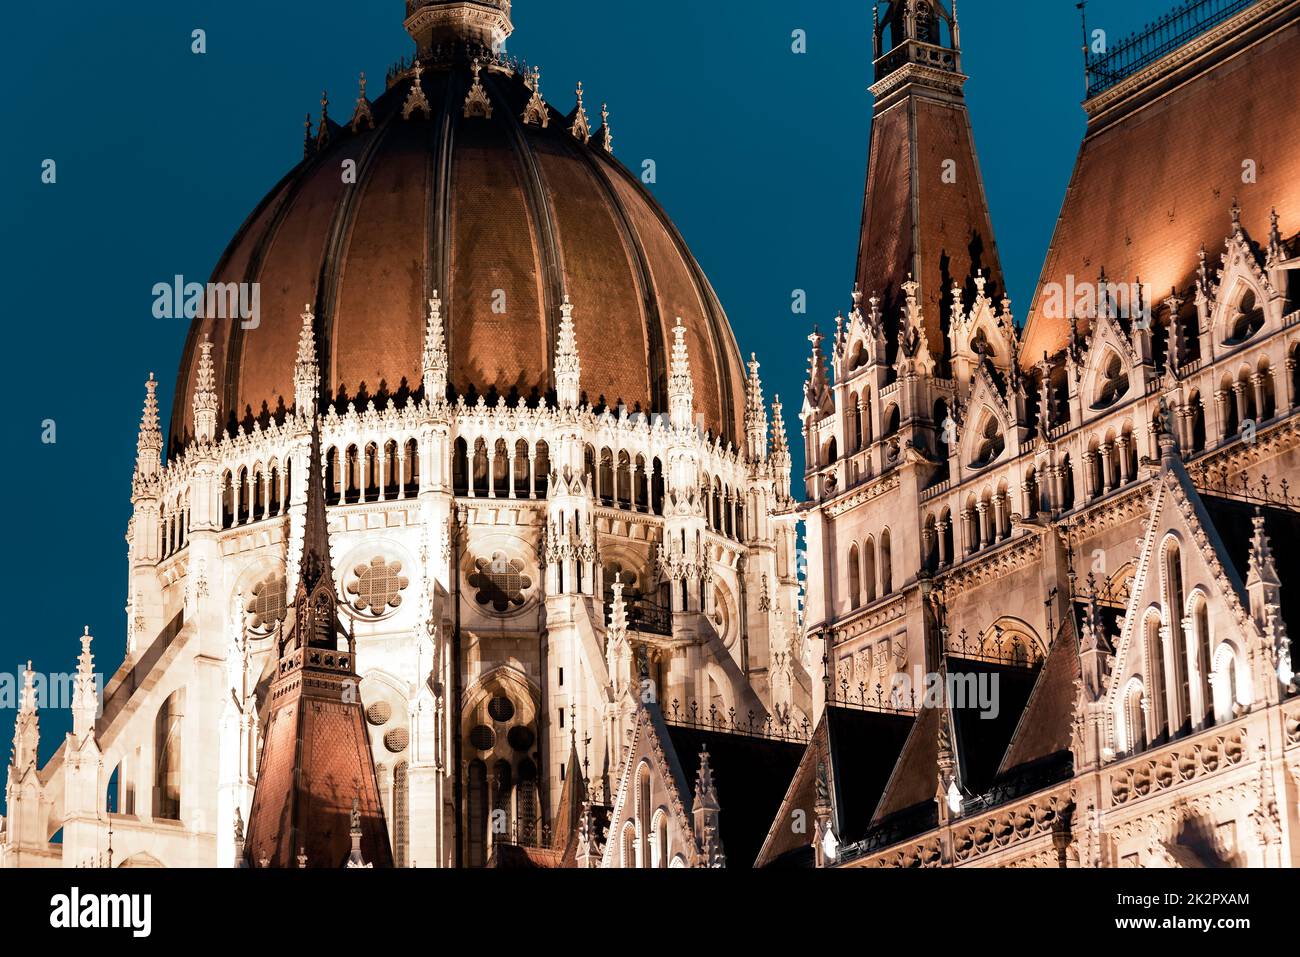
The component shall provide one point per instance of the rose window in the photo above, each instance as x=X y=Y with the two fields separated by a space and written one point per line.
x=266 y=606
x=500 y=582
x=377 y=587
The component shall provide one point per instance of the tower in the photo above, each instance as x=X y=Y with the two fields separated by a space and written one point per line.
x=316 y=779
x=925 y=216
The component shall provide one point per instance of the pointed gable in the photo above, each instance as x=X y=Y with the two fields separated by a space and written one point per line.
x=1042 y=736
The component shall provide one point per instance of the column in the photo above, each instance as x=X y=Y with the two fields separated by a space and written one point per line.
x=942 y=530
x=510 y=467
x=1125 y=442
x=1089 y=475
x=1221 y=410
x=1107 y=466
x=381 y=459
x=1196 y=684
x=1239 y=394
x=470 y=449
x=532 y=473
x=982 y=509
x=1257 y=382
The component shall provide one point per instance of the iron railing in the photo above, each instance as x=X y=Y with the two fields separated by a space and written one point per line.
x=644 y=616
x=714 y=718
x=1185 y=22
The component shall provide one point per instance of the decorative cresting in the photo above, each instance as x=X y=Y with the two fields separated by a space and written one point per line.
x=485 y=23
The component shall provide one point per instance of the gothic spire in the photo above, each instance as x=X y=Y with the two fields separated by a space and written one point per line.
x=85 y=697
x=435 y=354
x=362 y=112
x=581 y=127
x=27 y=729
x=148 y=445
x=306 y=371
x=205 y=395
x=681 y=388
x=315 y=568
x=568 y=367
x=755 y=413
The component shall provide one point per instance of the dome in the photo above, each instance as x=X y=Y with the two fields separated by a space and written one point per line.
x=504 y=217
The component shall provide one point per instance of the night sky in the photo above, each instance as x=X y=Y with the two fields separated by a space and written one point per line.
x=761 y=157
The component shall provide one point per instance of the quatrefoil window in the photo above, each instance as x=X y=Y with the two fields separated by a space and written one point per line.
x=377 y=587
x=500 y=582
x=266 y=607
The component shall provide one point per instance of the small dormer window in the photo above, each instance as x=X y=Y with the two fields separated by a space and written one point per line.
x=1114 y=382
x=1246 y=320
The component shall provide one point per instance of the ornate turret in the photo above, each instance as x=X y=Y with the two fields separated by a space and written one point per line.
x=148 y=444
x=85 y=691
x=755 y=414
x=681 y=390
x=568 y=367
x=205 y=396
x=483 y=23
x=306 y=371
x=435 y=354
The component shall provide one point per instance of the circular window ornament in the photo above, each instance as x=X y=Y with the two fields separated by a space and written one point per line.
x=500 y=582
x=374 y=590
x=501 y=708
x=482 y=737
x=379 y=712
x=266 y=605
x=397 y=739
x=520 y=737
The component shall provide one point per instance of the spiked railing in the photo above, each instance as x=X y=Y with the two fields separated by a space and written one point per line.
x=730 y=721
x=1222 y=482
x=1185 y=22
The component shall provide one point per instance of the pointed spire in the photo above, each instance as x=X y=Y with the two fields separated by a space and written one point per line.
x=435 y=354
x=415 y=99
x=1262 y=568
x=306 y=372
x=315 y=568
x=205 y=395
x=705 y=810
x=706 y=792
x=148 y=445
x=568 y=367
x=27 y=733
x=618 y=611
x=780 y=443
x=581 y=128
x=681 y=388
x=476 y=100
x=755 y=413
x=323 y=131
x=308 y=141
x=85 y=690
x=536 y=113
x=362 y=112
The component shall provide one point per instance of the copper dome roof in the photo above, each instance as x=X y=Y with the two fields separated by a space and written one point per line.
x=490 y=212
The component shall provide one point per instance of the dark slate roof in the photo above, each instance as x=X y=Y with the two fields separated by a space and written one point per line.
x=864 y=747
x=980 y=742
x=1045 y=726
x=913 y=780
x=1232 y=520
x=751 y=775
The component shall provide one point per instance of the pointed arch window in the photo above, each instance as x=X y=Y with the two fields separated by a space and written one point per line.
x=1246 y=318
x=1114 y=381
x=991 y=442
x=167 y=757
x=855 y=580
x=1155 y=654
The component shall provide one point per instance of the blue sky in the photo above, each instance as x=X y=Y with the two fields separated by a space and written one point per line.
x=761 y=157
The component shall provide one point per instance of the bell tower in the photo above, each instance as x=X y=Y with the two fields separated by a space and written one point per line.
x=925 y=217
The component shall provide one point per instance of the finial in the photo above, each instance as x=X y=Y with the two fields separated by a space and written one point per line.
x=415 y=99
x=362 y=112
x=1236 y=214
x=568 y=366
x=307 y=141
x=435 y=362
x=306 y=373
x=581 y=129
x=536 y=113
x=323 y=132
x=476 y=100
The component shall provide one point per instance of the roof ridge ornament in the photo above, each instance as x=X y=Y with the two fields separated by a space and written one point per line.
x=362 y=112
x=306 y=372
x=581 y=128
x=415 y=99
x=308 y=141
x=568 y=366
x=435 y=354
x=476 y=101
x=535 y=112
x=205 y=395
x=323 y=131
x=608 y=134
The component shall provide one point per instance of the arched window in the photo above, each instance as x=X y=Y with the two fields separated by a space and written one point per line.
x=1134 y=724
x=832 y=452
x=1113 y=384
x=643 y=813
x=629 y=845
x=991 y=442
x=854 y=423
x=167 y=758
x=661 y=851
x=1246 y=320
x=1175 y=603
x=869 y=569
x=886 y=565
x=503 y=792
x=855 y=580
x=1155 y=655
x=1201 y=625
x=460 y=468
x=1224 y=681
x=892 y=421
x=1197 y=410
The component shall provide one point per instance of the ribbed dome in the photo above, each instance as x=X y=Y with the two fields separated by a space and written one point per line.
x=492 y=213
